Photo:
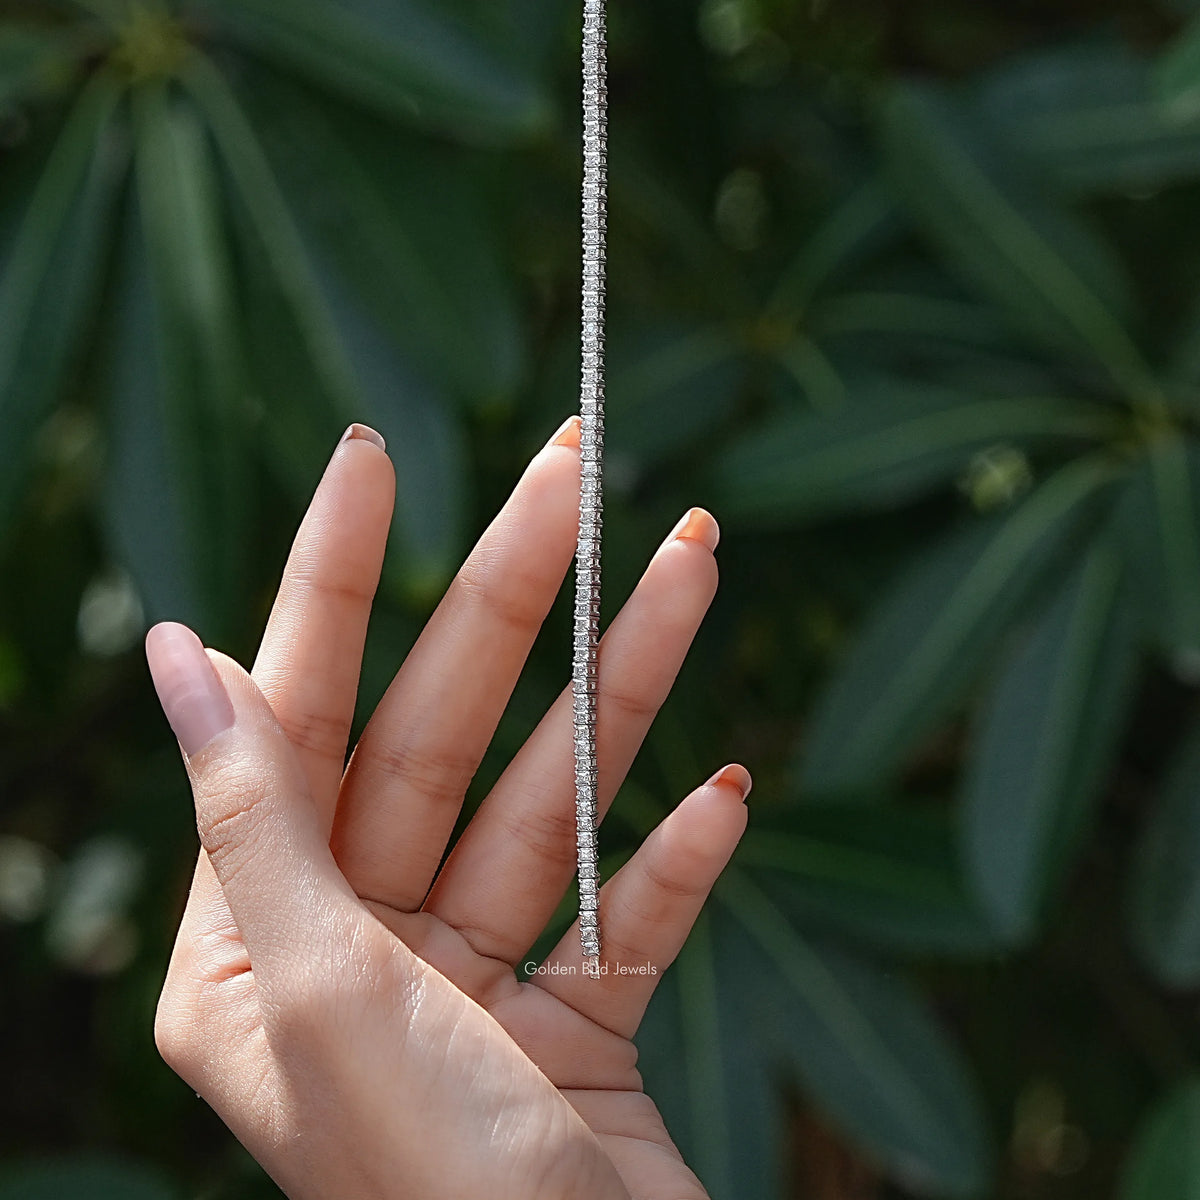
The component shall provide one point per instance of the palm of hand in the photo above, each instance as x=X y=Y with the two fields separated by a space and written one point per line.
x=398 y=1049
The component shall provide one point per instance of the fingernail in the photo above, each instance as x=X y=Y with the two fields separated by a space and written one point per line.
x=736 y=776
x=192 y=696
x=698 y=525
x=364 y=433
x=567 y=434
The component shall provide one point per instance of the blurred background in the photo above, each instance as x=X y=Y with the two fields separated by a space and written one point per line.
x=905 y=293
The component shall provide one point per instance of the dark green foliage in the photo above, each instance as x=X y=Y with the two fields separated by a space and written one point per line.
x=908 y=295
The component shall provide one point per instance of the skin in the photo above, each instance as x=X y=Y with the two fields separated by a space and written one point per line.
x=353 y=1014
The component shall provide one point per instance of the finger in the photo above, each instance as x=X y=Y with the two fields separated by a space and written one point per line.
x=410 y=770
x=649 y=906
x=508 y=871
x=257 y=820
x=309 y=660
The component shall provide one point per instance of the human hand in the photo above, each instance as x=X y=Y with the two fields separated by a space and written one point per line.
x=352 y=1012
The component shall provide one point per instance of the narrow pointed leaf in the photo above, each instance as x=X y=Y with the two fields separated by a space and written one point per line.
x=864 y=1046
x=1056 y=281
x=866 y=219
x=1158 y=520
x=403 y=59
x=709 y=1079
x=431 y=273
x=35 y=61
x=198 y=397
x=1088 y=115
x=146 y=519
x=336 y=360
x=671 y=218
x=1178 y=75
x=51 y=274
x=1044 y=741
x=1164 y=1163
x=892 y=442
x=427 y=445
x=1165 y=884
x=885 y=874
x=668 y=386
x=911 y=316
x=936 y=629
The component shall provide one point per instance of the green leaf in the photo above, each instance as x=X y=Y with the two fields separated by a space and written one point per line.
x=1177 y=76
x=864 y=220
x=1087 y=114
x=887 y=874
x=671 y=386
x=427 y=445
x=282 y=254
x=402 y=58
x=523 y=33
x=1164 y=897
x=749 y=997
x=1044 y=741
x=147 y=523
x=35 y=62
x=321 y=363
x=51 y=275
x=666 y=215
x=892 y=443
x=1158 y=519
x=1182 y=368
x=431 y=272
x=909 y=316
x=1055 y=280
x=667 y=386
x=935 y=630
x=863 y=1045
x=1164 y=1163
x=195 y=396
x=707 y=1076
x=85 y=1178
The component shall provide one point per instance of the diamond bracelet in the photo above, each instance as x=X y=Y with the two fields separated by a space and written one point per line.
x=587 y=555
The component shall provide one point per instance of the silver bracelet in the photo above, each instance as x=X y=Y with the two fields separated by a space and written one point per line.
x=587 y=555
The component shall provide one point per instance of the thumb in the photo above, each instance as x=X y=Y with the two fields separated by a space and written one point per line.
x=254 y=813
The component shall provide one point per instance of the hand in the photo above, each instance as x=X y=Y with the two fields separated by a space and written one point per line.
x=352 y=1012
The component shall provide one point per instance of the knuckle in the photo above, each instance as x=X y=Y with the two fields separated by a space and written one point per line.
x=347 y=592
x=512 y=597
x=440 y=777
x=353 y=594
x=548 y=834
x=630 y=703
x=671 y=884
x=228 y=815
x=323 y=734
